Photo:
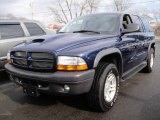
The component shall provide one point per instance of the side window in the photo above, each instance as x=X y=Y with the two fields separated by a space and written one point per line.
x=136 y=20
x=147 y=25
x=8 y=31
x=34 y=29
x=126 y=20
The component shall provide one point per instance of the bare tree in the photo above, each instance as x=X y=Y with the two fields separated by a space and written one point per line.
x=93 y=5
x=120 y=5
x=65 y=10
x=31 y=7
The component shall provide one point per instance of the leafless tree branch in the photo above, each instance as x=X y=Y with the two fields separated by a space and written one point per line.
x=65 y=10
x=121 y=5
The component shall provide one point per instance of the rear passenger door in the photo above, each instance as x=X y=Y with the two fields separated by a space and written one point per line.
x=143 y=36
x=148 y=33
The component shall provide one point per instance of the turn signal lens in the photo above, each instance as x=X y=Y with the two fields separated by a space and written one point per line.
x=72 y=67
x=69 y=63
x=9 y=61
x=9 y=58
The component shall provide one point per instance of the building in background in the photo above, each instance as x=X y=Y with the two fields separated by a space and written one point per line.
x=54 y=27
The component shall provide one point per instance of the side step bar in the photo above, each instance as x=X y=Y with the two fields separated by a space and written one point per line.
x=133 y=71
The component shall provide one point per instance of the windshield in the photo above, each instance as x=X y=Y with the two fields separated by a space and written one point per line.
x=103 y=23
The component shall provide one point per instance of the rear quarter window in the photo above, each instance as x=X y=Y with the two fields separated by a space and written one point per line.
x=136 y=20
x=8 y=31
x=34 y=29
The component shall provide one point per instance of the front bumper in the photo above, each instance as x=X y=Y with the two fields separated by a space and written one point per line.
x=54 y=83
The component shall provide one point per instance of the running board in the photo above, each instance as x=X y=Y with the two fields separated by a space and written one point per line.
x=133 y=71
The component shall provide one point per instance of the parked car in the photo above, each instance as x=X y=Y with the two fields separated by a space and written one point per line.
x=13 y=32
x=54 y=27
x=90 y=55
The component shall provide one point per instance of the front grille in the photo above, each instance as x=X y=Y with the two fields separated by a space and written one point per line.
x=41 y=64
x=41 y=56
x=19 y=54
x=34 y=61
x=21 y=62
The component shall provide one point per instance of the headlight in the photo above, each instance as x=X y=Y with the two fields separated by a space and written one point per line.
x=71 y=63
x=9 y=58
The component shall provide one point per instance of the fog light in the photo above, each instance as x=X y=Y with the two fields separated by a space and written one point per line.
x=66 y=88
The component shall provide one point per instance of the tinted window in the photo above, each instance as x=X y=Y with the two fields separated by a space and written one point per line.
x=34 y=29
x=146 y=25
x=136 y=20
x=8 y=31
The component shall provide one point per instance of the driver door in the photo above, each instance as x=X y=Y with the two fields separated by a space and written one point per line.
x=128 y=45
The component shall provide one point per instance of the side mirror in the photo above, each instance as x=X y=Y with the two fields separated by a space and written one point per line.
x=131 y=28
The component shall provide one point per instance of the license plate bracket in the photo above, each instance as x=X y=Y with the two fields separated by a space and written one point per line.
x=30 y=90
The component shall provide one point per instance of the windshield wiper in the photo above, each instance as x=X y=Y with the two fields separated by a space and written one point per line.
x=83 y=31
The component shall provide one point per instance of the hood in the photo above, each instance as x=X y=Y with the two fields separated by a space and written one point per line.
x=60 y=42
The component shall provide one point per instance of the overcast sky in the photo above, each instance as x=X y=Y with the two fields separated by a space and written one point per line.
x=21 y=8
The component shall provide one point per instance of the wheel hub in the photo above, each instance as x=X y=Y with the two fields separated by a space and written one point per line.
x=151 y=60
x=110 y=87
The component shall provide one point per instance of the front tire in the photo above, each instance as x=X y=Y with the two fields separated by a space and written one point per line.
x=150 y=62
x=105 y=87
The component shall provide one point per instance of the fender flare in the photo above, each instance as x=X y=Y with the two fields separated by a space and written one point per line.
x=153 y=42
x=106 y=52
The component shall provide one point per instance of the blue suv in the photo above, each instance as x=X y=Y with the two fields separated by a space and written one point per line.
x=90 y=55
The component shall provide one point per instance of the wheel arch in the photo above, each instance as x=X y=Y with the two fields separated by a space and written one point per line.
x=112 y=55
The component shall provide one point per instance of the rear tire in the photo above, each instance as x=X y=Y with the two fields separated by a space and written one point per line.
x=104 y=91
x=150 y=62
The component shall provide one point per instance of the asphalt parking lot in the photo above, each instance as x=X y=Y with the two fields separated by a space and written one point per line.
x=139 y=99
